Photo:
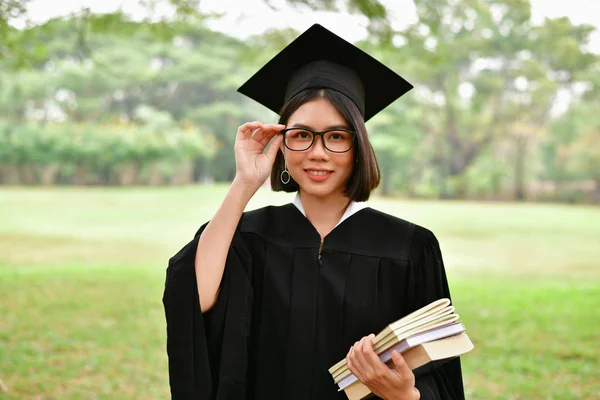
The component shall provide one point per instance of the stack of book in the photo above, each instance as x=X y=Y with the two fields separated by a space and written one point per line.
x=425 y=338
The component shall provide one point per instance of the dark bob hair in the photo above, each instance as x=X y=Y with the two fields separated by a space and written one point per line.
x=366 y=174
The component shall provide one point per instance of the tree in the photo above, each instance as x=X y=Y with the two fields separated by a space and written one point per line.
x=445 y=43
x=586 y=148
x=481 y=115
x=490 y=76
x=21 y=47
x=572 y=149
x=395 y=136
x=124 y=75
x=559 y=67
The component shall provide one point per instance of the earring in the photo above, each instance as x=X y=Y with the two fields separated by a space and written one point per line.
x=285 y=173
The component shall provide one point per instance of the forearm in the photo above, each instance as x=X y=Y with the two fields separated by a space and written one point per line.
x=214 y=242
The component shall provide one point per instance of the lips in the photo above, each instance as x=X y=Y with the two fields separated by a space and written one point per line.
x=318 y=172
x=318 y=175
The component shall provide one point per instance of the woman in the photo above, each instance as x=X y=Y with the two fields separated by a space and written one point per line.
x=260 y=304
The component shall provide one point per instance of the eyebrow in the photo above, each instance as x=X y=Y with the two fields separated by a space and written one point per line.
x=339 y=126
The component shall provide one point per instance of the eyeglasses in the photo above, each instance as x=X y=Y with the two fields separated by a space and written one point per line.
x=334 y=140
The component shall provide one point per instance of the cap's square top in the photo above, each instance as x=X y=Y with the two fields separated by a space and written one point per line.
x=318 y=58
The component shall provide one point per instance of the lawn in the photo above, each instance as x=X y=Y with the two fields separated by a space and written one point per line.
x=82 y=273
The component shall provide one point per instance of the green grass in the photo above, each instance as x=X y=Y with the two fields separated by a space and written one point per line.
x=82 y=273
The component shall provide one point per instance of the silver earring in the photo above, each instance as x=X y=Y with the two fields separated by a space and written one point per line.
x=285 y=173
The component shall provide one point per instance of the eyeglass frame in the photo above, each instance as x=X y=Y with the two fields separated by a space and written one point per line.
x=315 y=134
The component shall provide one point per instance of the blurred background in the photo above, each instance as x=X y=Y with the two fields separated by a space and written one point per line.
x=117 y=123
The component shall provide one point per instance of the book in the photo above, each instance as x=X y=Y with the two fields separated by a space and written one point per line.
x=345 y=378
x=434 y=315
x=421 y=359
x=426 y=337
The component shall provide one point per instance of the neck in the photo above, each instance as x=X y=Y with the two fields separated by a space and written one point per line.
x=324 y=212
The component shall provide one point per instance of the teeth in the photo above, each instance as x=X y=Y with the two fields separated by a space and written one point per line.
x=317 y=172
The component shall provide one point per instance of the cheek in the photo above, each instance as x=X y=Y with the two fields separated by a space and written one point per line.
x=346 y=162
x=294 y=159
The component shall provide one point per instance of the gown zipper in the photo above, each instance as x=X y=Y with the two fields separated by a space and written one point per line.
x=319 y=258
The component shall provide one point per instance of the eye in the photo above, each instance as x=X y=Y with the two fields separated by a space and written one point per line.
x=338 y=135
x=299 y=134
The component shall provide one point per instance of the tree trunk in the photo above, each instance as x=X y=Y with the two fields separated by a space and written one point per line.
x=127 y=174
x=386 y=165
x=385 y=184
x=28 y=175
x=444 y=187
x=10 y=175
x=80 y=175
x=184 y=174
x=520 y=193
x=155 y=176
x=49 y=174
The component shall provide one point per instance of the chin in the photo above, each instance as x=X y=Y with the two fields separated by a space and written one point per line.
x=322 y=193
x=317 y=190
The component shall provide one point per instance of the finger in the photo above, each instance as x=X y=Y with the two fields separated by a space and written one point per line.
x=402 y=369
x=362 y=360
x=369 y=353
x=276 y=127
x=258 y=134
x=267 y=132
x=376 y=366
x=274 y=147
x=353 y=364
x=246 y=130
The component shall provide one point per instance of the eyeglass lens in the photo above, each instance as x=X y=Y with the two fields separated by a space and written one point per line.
x=301 y=139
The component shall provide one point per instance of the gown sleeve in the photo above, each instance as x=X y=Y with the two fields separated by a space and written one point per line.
x=425 y=258
x=208 y=352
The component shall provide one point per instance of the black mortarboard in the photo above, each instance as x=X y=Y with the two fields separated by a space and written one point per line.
x=320 y=59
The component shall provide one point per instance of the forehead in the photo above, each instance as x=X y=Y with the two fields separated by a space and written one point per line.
x=317 y=114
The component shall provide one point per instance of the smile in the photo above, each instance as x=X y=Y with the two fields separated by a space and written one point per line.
x=317 y=173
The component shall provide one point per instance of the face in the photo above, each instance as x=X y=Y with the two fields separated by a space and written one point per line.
x=318 y=171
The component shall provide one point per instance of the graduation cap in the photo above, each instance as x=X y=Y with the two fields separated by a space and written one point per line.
x=320 y=59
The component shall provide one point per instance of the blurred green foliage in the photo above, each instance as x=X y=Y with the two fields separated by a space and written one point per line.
x=482 y=122
x=51 y=153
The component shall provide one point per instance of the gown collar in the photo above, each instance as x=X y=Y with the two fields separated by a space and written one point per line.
x=352 y=208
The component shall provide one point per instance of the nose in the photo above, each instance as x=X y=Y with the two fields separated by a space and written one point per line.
x=318 y=150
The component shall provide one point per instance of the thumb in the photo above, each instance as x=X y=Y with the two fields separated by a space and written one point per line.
x=274 y=147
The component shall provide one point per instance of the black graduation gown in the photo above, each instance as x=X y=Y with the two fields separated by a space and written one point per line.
x=285 y=315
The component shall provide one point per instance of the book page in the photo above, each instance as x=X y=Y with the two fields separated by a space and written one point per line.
x=420 y=313
x=395 y=338
x=430 y=309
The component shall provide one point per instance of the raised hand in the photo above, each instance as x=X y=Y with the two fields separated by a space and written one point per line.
x=395 y=383
x=253 y=164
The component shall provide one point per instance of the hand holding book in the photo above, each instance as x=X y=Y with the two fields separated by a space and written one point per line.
x=394 y=382
x=426 y=338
